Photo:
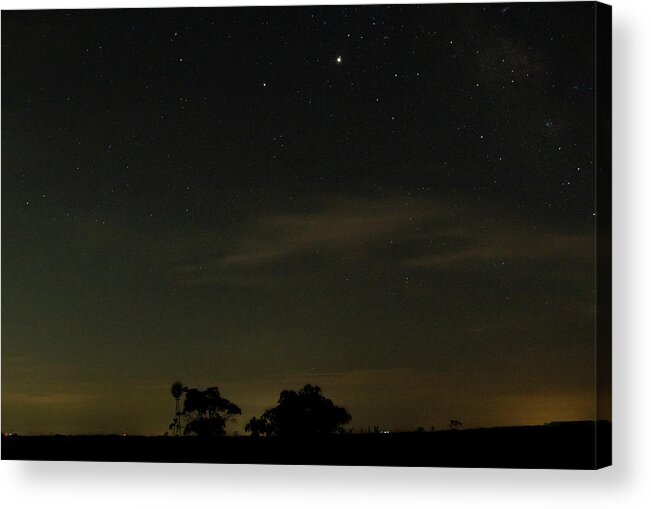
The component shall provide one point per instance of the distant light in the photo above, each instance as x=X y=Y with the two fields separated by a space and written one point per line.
x=339 y=59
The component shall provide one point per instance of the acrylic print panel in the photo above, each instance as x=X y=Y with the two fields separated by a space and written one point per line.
x=355 y=235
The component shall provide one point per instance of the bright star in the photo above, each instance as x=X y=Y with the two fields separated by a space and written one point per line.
x=338 y=60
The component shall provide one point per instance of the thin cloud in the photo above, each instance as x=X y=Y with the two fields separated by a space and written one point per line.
x=509 y=246
x=422 y=234
x=343 y=228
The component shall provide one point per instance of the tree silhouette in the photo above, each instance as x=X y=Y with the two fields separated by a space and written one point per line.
x=306 y=412
x=257 y=426
x=205 y=412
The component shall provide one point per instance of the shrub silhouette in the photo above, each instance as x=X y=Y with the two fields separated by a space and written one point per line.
x=306 y=412
x=206 y=413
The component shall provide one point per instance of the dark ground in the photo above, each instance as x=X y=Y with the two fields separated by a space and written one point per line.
x=564 y=445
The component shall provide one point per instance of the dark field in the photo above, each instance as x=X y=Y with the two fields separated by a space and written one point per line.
x=566 y=446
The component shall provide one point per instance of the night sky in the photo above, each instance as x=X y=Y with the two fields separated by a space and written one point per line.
x=395 y=203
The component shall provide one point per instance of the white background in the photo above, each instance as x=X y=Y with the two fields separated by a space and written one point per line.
x=626 y=484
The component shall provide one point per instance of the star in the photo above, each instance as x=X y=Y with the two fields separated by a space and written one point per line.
x=338 y=59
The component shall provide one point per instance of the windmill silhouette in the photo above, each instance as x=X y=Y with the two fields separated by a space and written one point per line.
x=177 y=392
